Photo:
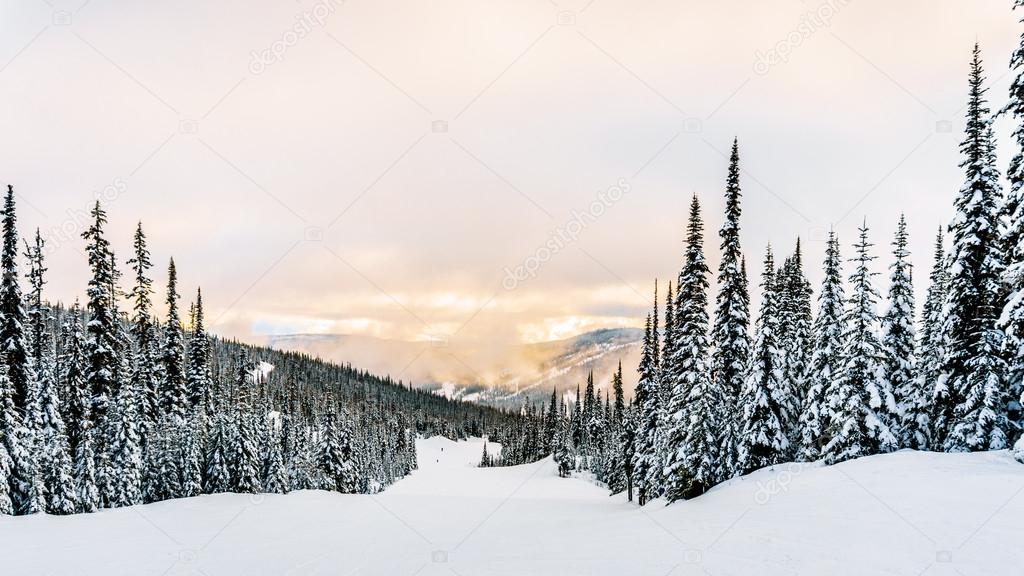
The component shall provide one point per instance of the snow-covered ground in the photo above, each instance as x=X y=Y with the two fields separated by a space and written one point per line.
x=905 y=513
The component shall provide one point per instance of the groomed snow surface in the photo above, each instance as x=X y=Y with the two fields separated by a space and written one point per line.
x=905 y=513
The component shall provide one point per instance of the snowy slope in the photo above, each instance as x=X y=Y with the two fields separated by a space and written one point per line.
x=905 y=513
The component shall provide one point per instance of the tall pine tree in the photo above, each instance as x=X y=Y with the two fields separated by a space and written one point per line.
x=12 y=312
x=730 y=336
x=864 y=407
x=173 y=395
x=145 y=373
x=796 y=324
x=763 y=441
x=694 y=405
x=826 y=359
x=920 y=417
x=1012 y=318
x=899 y=340
x=198 y=375
x=647 y=400
x=971 y=390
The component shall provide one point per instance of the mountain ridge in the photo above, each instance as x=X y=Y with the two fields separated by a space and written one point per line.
x=469 y=371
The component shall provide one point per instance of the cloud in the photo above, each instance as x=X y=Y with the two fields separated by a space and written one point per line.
x=382 y=175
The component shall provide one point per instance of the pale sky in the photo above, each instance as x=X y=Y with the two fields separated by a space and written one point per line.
x=378 y=172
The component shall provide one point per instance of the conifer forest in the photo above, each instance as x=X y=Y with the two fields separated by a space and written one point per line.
x=787 y=398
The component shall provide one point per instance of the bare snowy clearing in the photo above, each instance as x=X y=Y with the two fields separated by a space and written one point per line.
x=904 y=513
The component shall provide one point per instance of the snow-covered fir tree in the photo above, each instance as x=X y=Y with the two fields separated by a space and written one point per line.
x=49 y=437
x=763 y=441
x=275 y=473
x=335 y=457
x=826 y=358
x=899 y=343
x=198 y=372
x=615 y=458
x=163 y=473
x=13 y=340
x=54 y=454
x=217 y=474
x=553 y=421
x=145 y=375
x=1012 y=317
x=731 y=338
x=74 y=394
x=21 y=418
x=919 y=417
x=863 y=408
x=795 y=338
x=646 y=401
x=101 y=329
x=971 y=389
x=245 y=461
x=86 y=492
x=192 y=459
x=694 y=405
x=173 y=395
x=125 y=446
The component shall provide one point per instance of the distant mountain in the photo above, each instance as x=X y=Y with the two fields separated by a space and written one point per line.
x=479 y=373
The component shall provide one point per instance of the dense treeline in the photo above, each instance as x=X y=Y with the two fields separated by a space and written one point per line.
x=103 y=407
x=831 y=380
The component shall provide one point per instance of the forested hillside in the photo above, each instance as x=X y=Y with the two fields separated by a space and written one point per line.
x=721 y=396
x=101 y=407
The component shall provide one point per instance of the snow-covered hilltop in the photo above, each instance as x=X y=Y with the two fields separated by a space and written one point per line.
x=901 y=513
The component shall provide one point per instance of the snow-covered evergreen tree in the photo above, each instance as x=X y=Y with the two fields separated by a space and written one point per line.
x=198 y=374
x=763 y=441
x=173 y=395
x=125 y=448
x=162 y=468
x=275 y=474
x=619 y=408
x=22 y=416
x=192 y=460
x=245 y=461
x=1012 y=317
x=646 y=462
x=920 y=418
x=336 y=456
x=863 y=408
x=6 y=506
x=38 y=314
x=898 y=343
x=12 y=312
x=145 y=375
x=86 y=492
x=74 y=395
x=795 y=338
x=826 y=359
x=101 y=329
x=627 y=449
x=553 y=421
x=693 y=427
x=54 y=453
x=731 y=338
x=971 y=389
x=217 y=475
